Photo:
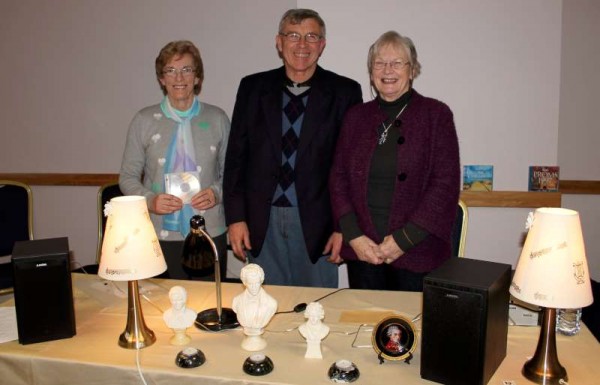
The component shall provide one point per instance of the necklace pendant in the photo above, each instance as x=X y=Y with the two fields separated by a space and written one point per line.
x=383 y=138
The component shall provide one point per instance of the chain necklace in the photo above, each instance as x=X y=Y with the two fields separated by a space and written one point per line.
x=384 y=134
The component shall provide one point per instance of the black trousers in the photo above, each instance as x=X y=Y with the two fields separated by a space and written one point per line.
x=363 y=275
x=172 y=251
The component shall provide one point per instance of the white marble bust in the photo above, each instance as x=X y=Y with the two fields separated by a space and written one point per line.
x=254 y=307
x=179 y=317
x=314 y=330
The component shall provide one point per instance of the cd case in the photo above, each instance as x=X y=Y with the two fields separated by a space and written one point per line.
x=183 y=185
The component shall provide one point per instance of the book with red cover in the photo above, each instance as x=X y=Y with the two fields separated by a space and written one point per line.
x=544 y=178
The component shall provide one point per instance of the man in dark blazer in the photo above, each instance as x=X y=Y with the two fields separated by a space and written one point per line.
x=283 y=134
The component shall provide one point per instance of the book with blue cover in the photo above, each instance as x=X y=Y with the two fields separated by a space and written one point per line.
x=478 y=178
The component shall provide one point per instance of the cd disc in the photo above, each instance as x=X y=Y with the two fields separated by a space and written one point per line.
x=183 y=185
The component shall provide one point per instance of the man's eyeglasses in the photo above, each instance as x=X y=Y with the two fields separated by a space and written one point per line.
x=295 y=37
x=185 y=72
x=397 y=65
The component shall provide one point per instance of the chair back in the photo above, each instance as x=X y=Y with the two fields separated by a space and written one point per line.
x=459 y=230
x=16 y=224
x=105 y=194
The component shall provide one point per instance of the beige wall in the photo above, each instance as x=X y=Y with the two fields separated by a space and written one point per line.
x=579 y=125
x=518 y=75
x=74 y=72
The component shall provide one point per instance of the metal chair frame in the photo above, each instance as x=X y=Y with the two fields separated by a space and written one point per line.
x=27 y=189
x=102 y=200
x=463 y=228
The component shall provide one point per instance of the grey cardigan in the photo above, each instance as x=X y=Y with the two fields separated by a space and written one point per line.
x=148 y=138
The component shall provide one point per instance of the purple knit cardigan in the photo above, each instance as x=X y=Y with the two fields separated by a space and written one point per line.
x=428 y=184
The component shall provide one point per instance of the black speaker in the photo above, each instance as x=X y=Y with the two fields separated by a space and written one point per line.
x=465 y=321
x=43 y=291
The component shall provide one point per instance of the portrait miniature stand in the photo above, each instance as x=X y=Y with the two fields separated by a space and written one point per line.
x=254 y=307
x=314 y=330
x=394 y=339
x=179 y=317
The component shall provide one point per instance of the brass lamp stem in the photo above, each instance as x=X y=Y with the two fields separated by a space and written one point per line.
x=544 y=367
x=136 y=334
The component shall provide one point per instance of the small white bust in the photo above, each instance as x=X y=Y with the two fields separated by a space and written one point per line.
x=179 y=317
x=254 y=307
x=314 y=330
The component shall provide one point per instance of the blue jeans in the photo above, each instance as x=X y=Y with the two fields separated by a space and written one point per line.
x=284 y=257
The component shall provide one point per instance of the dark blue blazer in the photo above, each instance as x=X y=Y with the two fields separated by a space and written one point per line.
x=253 y=160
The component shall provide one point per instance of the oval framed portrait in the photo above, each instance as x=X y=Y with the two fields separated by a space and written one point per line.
x=394 y=338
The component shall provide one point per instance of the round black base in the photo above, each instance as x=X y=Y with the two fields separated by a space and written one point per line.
x=209 y=320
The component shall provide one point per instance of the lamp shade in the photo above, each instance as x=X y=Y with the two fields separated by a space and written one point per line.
x=552 y=270
x=130 y=249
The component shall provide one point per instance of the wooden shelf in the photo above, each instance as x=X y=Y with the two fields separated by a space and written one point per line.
x=525 y=199
x=580 y=186
x=63 y=179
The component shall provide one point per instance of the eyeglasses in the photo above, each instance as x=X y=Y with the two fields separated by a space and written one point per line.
x=397 y=65
x=185 y=72
x=295 y=37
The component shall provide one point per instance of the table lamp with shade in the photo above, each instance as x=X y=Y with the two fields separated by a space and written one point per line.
x=552 y=272
x=130 y=252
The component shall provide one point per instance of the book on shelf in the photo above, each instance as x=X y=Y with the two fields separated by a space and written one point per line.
x=478 y=178
x=544 y=178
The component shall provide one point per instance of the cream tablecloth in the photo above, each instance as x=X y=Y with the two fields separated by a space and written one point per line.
x=94 y=357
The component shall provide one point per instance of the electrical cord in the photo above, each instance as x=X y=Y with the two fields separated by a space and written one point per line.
x=137 y=350
x=139 y=366
x=356 y=336
x=299 y=308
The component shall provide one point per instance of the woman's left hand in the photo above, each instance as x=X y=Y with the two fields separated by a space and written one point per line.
x=390 y=249
x=204 y=200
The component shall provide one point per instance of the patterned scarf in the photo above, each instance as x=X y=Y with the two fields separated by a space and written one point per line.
x=181 y=157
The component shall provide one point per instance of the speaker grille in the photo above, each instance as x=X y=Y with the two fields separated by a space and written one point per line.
x=454 y=318
x=43 y=291
x=465 y=321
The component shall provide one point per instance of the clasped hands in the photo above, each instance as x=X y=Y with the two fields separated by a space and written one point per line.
x=168 y=204
x=368 y=251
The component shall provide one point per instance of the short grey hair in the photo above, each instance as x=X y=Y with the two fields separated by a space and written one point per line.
x=298 y=15
x=394 y=39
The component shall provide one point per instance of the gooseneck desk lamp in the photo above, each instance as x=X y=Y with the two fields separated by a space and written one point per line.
x=200 y=254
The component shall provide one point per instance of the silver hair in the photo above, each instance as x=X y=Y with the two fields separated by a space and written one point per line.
x=298 y=15
x=394 y=39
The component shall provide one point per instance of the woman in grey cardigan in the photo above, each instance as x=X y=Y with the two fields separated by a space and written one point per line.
x=174 y=156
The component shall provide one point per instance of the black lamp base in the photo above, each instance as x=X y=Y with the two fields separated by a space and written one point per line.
x=209 y=320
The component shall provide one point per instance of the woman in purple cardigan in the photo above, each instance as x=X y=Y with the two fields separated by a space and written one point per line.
x=395 y=180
